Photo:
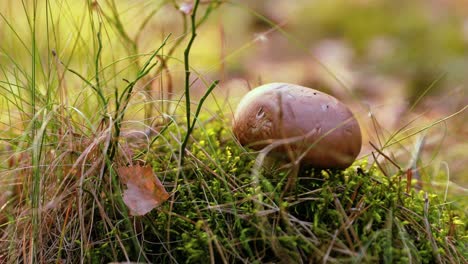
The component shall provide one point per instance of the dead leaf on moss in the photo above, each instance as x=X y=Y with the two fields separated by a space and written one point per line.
x=144 y=190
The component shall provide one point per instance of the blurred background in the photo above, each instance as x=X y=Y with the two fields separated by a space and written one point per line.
x=401 y=66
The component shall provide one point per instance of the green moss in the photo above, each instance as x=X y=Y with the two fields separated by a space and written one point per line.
x=217 y=211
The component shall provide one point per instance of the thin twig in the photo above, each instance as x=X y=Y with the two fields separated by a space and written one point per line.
x=385 y=156
x=332 y=242
x=378 y=164
x=427 y=225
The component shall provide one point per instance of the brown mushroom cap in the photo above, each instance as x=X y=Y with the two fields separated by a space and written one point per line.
x=314 y=126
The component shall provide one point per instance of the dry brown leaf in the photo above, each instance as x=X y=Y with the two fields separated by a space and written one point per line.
x=144 y=190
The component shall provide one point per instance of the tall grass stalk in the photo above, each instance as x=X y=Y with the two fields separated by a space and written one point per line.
x=37 y=139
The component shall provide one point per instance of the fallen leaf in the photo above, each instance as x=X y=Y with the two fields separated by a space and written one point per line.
x=144 y=190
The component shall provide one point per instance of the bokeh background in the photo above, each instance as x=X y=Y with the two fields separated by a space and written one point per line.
x=401 y=66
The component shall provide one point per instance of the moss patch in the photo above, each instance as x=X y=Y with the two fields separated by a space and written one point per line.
x=219 y=211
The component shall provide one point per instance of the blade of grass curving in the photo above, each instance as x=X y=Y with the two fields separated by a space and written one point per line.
x=200 y=104
x=14 y=98
x=397 y=132
x=168 y=124
x=98 y=92
x=124 y=98
x=147 y=20
x=390 y=143
x=78 y=28
x=211 y=7
x=432 y=85
x=404 y=131
x=126 y=93
x=117 y=22
x=15 y=33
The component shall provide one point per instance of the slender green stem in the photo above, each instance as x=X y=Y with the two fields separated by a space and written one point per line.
x=200 y=104
x=36 y=148
x=98 y=92
x=98 y=57
x=195 y=118
x=187 y=78
x=187 y=63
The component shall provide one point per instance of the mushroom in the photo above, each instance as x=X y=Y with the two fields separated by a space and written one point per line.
x=304 y=123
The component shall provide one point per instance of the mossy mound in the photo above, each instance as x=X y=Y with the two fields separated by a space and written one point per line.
x=222 y=212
